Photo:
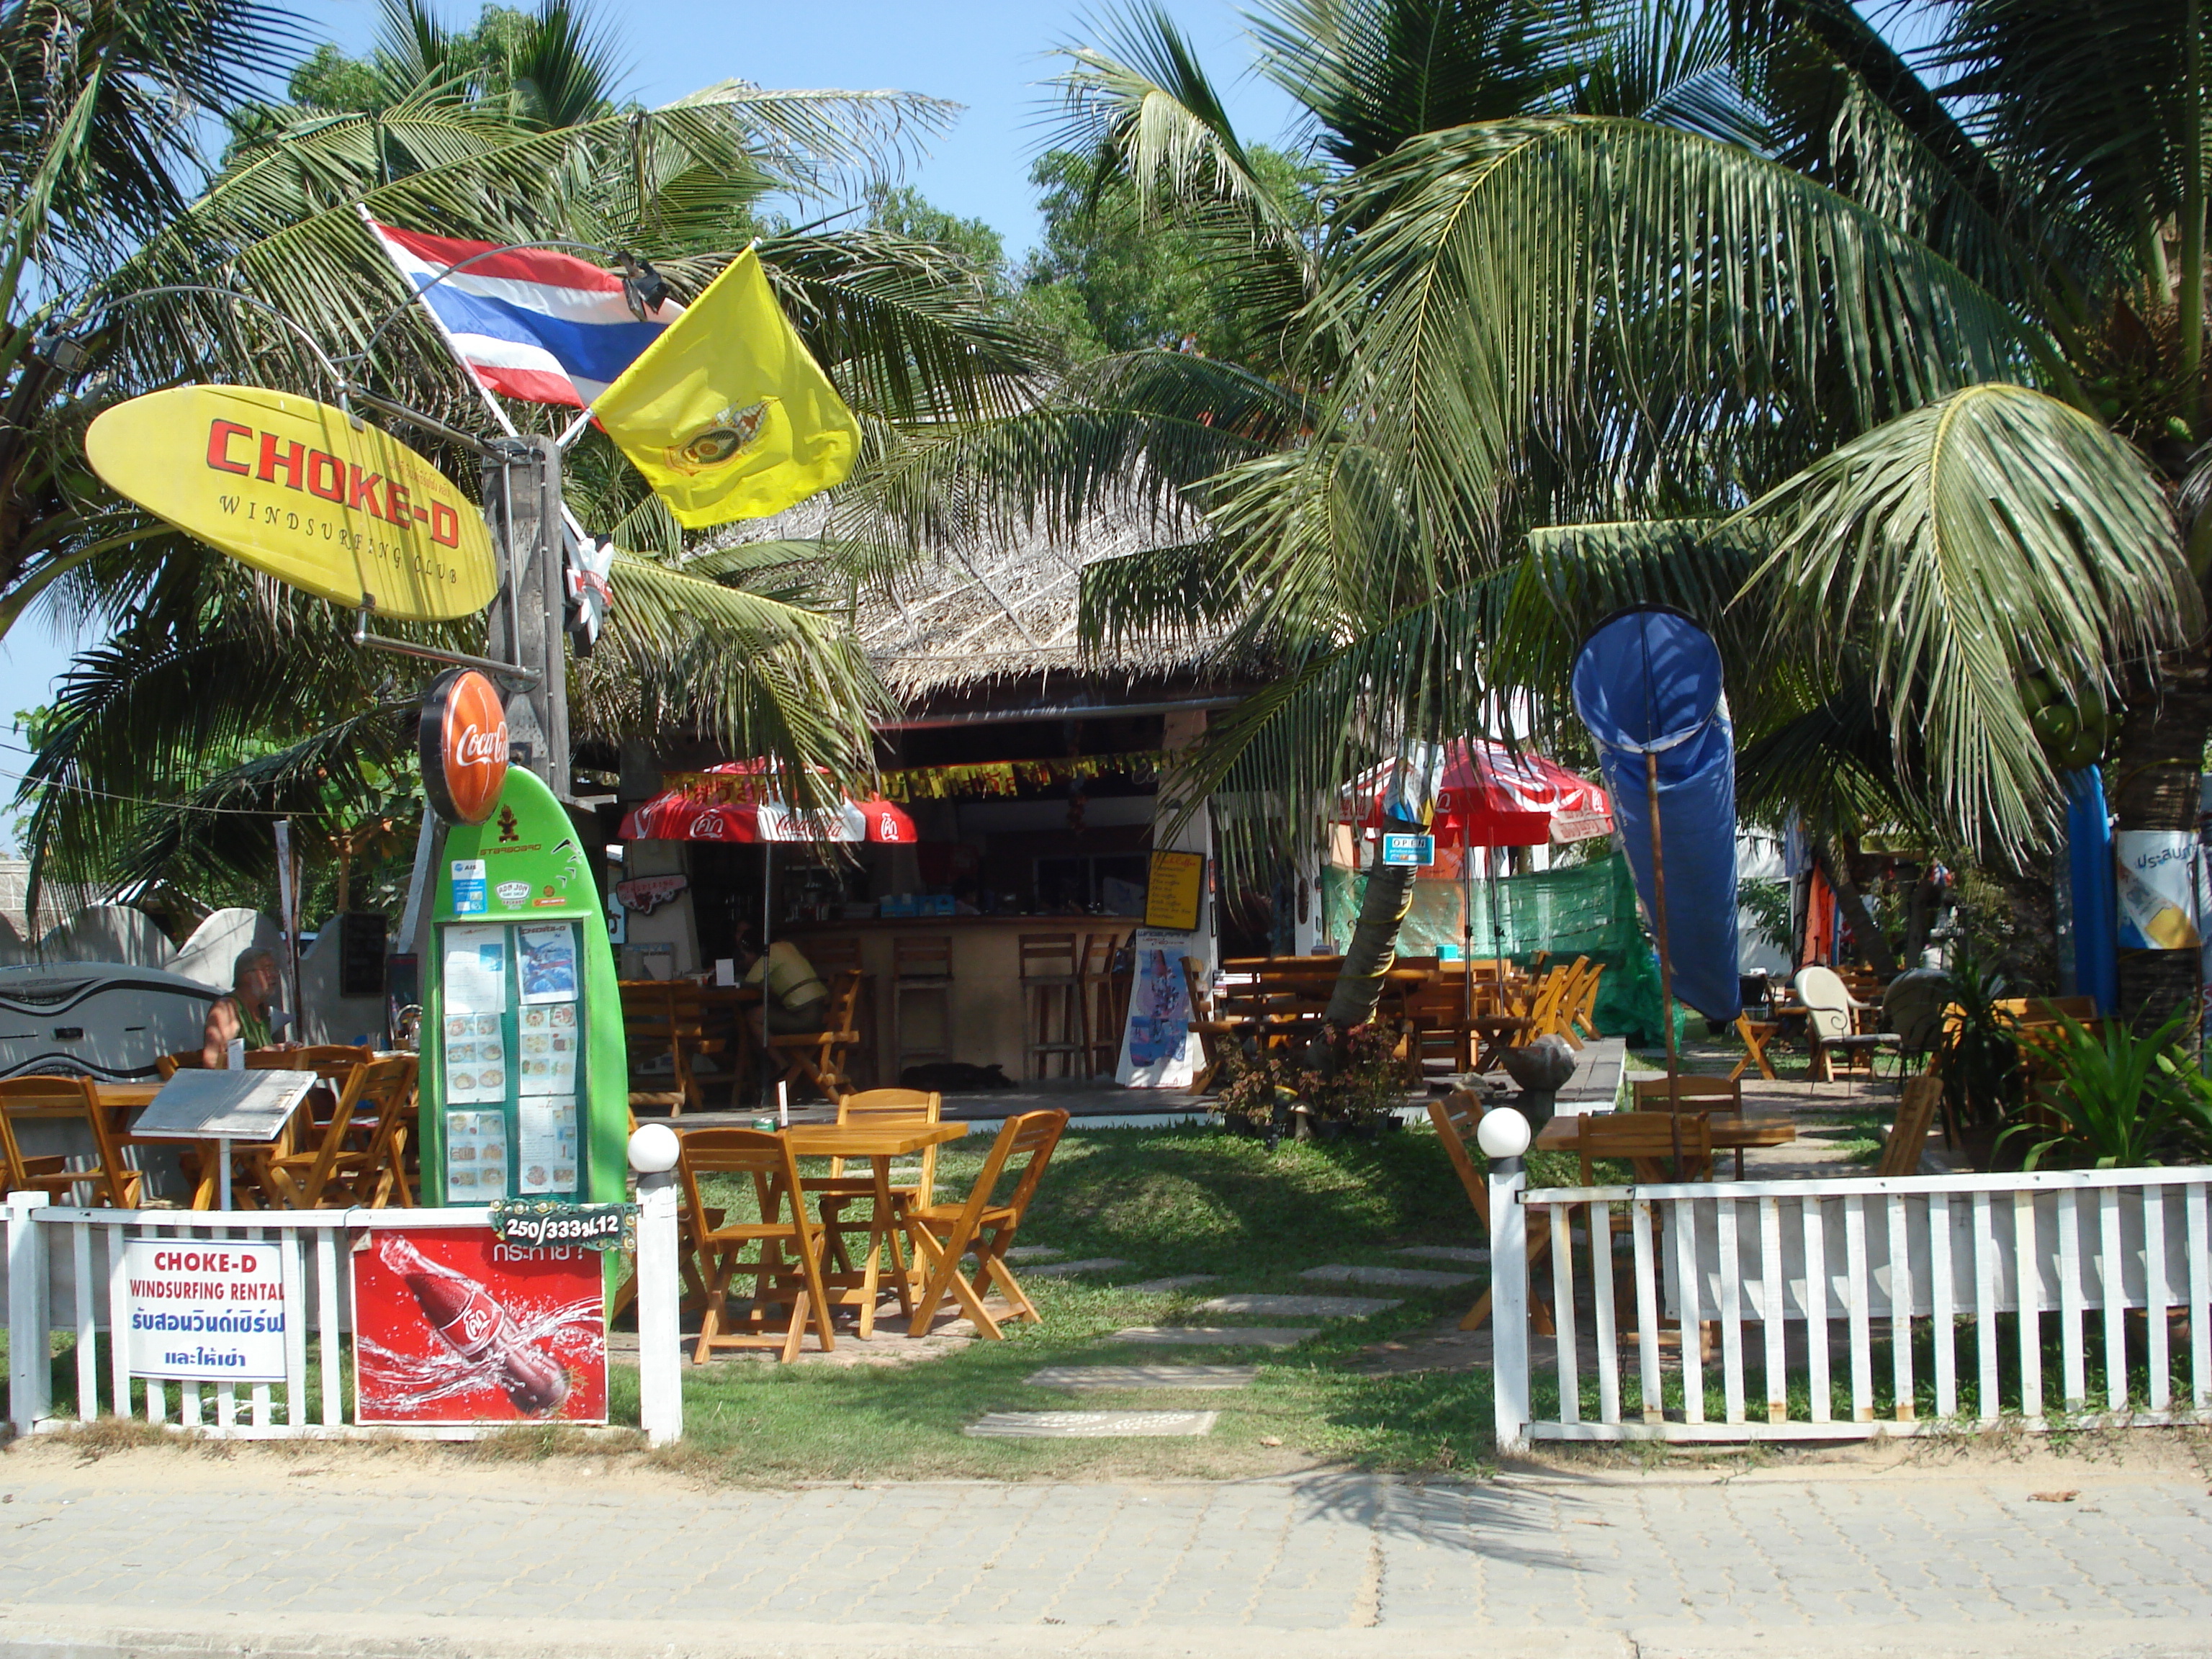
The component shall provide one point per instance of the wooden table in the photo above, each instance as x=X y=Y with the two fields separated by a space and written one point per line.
x=878 y=1143
x=118 y=1099
x=1732 y=1132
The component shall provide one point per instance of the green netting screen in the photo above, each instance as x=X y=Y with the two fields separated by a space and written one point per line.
x=1588 y=910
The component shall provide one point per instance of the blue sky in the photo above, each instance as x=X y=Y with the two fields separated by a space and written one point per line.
x=988 y=55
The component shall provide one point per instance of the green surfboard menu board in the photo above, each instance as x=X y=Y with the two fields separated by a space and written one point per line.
x=525 y=1083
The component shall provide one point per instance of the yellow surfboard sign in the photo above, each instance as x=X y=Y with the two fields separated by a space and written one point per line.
x=295 y=490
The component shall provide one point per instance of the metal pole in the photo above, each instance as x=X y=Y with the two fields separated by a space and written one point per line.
x=1666 y=960
x=768 y=933
x=1508 y=1304
x=1467 y=930
x=660 y=1339
x=526 y=619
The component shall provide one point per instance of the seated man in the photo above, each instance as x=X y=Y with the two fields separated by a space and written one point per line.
x=796 y=1001
x=249 y=1011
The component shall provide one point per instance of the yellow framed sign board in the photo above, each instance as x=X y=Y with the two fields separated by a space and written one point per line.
x=1173 y=894
x=300 y=492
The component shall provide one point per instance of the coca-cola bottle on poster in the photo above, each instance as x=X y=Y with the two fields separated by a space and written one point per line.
x=480 y=1332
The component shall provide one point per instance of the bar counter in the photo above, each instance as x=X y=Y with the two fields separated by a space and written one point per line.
x=985 y=994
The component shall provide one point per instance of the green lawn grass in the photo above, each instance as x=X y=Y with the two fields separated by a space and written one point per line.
x=1186 y=1199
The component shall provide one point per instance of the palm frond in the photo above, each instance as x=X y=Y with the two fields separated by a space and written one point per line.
x=1142 y=108
x=684 y=652
x=909 y=334
x=1564 y=314
x=1961 y=545
x=1139 y=434
x=1374 y=73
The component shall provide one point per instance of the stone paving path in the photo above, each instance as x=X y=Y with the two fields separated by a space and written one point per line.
x=1925 y=1562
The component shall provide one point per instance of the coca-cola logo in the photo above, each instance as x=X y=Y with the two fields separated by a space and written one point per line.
x=474 y=748
x=710 y=826
x=464 y=746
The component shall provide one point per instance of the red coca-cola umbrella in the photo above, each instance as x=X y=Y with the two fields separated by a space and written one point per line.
x=1487 y=796
x=742 y=811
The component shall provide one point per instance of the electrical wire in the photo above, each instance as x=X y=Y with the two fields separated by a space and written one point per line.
x=140 y=800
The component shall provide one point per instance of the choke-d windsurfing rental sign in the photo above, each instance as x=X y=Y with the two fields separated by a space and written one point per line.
x=301 y=492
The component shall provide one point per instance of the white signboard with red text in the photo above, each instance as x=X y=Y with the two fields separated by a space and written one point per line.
x=206 y=1311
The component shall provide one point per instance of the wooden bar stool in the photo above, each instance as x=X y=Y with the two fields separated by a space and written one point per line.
x=921 y=966
x=1105 y=1002
x=831 y=954
x=1051 y=1003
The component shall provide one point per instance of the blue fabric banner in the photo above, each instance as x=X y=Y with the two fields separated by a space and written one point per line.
x=1648 y=683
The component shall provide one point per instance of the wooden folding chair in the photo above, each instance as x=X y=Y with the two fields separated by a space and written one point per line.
x=1457 y=1117
x=838 y=1189
x=331 y=1061
x=1215 y=1035
x=818 y=1057
x=1646 y=1142
x=110 y=1183
x=1582 y=1015
x=184 y=1059
x=946 y=1232
x=722 y=1243
x=375 y=1099
x=1908 y=1135
x=1692 y=1094
x=1756 y=1035
x=654 y=1025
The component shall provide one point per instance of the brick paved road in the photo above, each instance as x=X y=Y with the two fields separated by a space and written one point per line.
x=228 y=1557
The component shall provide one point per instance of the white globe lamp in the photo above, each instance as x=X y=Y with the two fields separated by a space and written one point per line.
x=1503 y=1133
x=653 y=1149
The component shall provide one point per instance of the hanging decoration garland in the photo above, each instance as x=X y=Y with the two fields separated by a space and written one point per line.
x=943 y=782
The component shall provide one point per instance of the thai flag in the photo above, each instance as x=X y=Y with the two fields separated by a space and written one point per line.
x=535 y=324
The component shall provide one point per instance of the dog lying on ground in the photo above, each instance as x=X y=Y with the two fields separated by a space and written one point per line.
x=953 y=1077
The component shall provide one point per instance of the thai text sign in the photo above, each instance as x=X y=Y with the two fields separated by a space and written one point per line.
x=1175 y=891
x=299 y=491
x=2159 y=877
x=212 y=1311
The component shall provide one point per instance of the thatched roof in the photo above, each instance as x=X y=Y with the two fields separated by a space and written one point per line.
x=998 y=613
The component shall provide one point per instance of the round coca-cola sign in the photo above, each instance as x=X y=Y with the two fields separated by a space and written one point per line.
x=464 y=736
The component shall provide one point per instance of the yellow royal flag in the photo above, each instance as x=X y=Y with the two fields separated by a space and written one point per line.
x=726 y=413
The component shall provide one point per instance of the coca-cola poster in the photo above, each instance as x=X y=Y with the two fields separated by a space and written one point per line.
x=452 y=1325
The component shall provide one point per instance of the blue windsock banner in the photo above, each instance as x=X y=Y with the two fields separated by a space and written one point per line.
x=1647 y=684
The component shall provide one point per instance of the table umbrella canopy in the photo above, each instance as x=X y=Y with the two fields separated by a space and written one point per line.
x=730 y=803
x=1487 y=796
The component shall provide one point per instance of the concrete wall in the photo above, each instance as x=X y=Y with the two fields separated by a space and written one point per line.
x=109 y=932
x=326 y=1017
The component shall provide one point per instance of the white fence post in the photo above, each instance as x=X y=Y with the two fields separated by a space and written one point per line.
x=30 y=1368
x=652 y=1153
x=1504 y=1136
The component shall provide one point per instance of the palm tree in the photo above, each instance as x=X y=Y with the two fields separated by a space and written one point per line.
x=215 y=689
x=1725 y=300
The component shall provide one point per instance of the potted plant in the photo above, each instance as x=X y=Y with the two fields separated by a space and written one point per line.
x=1257 y=1099
x=2116 y=1100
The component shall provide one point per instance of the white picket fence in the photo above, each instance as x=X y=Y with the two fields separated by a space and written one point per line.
x=66 y=1272
x=1960 y=1278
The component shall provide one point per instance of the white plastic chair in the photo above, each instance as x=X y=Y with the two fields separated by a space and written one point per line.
x=1830 y=1010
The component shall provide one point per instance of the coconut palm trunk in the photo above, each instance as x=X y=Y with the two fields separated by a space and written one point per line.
x=2160 y=753
x=1873 y=945
x=1374 y=947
